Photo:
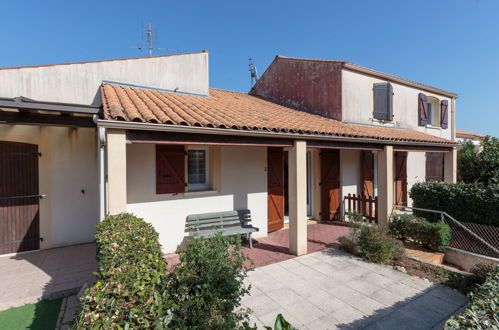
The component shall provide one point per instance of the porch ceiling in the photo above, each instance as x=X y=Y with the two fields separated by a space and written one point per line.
x=239 y=111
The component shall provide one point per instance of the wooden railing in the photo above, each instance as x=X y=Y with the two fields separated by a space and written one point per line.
x=365 y=205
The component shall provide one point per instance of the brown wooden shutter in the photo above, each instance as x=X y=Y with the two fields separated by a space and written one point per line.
x=444 y=116
x=170 y=169
x=275 y=188
x=422 y=109
x=330 y=185
x=383 y=101
x=434 y=166
x=368 y=173
x=401 y=178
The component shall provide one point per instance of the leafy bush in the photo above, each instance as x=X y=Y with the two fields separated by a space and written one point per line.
x=435 y=235
x=281 y=324
x=371 y=242
x=481 y=312
x=207 y=285
x=479 y=166
x=465 y=202
x=481 y=271
x=129 y=289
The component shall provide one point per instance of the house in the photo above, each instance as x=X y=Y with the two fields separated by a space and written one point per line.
x=80 y=141
x=462 y=136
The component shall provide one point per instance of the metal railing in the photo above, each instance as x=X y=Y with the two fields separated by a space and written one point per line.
x=471 y=237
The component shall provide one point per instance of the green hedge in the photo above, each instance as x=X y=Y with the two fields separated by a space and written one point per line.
x=464 y=202
x=481 y=312
x=129 y=291
x=435 y=235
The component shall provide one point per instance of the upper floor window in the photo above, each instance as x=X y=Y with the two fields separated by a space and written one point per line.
x=383 y=101
x=432 y=112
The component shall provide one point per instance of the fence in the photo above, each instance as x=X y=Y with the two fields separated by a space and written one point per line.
x=467 y=236
x=365 y=205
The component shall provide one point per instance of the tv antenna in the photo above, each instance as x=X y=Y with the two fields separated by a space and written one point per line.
x=150 y=35
x=253 y=71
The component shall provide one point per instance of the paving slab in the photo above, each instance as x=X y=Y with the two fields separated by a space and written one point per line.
x=47 y=274
x=333 y=290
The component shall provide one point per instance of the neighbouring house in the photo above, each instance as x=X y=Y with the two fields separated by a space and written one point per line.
x=462 y=136
x=80 y=141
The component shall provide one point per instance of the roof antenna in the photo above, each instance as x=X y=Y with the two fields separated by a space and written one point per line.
x=253 y=72
x=150 y=35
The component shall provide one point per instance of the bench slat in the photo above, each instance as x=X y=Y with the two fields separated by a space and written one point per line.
x=213 y=220
x=215 y=224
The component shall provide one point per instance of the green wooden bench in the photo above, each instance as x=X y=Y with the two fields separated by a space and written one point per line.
x=228 y=223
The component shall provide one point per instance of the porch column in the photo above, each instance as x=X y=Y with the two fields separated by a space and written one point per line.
x=298 y=198
x=385 y=184
x=450 y=166
x=116 y=171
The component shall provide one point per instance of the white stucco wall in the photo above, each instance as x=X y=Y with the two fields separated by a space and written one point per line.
x=357 y=103
x=243 y=184
x=416 y=171
x=350 y=173
x=79 y=83
x=67 y=166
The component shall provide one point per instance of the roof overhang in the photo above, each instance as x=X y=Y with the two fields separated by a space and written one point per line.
x=31 y=112
x=373 y=143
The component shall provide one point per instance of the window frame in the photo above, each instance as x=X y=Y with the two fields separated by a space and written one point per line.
x=433 y=120
x=198 y=186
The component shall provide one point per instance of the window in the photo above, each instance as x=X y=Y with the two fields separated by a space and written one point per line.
x=434 y=166
x=383 y=101
x=433 y=112
x=197 y=169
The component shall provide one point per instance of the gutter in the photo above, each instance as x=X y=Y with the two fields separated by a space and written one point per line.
x=227 y=131
x=101 y=156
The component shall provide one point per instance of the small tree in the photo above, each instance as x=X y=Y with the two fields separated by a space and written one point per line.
x=479 y=166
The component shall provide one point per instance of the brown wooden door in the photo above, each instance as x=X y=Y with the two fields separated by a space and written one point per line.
x=19 y=197
x=275 y=188
x=330 y=185
x=401 y=178
x=434 y=166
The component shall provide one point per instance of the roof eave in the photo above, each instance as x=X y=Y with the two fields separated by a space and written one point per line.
x=226 y=131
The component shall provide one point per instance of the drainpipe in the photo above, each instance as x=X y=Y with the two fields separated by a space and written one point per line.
x=101 y=149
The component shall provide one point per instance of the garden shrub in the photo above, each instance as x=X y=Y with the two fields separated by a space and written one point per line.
x=481 y=312
x=434 y=235
x=281 y=324
x=129 y=292
x=464 y=202
x=371 y=242
x=207 y=285
x=479 y=166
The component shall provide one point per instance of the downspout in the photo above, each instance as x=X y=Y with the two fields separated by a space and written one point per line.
x=101 y=152
x=453 y=133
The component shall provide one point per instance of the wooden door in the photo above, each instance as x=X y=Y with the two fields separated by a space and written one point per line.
x=434 y=166
x=330 y=185
x=19 y=197
x=401 y=178
x=275 y=188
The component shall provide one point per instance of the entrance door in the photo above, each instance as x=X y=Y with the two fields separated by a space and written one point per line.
x=19 y=197
x=330 y=185
x=401 y=178
x=275 y=188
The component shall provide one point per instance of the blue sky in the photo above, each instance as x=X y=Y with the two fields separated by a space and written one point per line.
x=451 y=44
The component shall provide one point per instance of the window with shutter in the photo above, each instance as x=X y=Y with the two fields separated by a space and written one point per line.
x=422 y=109
x=197 y=169
x=383 y=101
x=434 y=166
x=170 y=169
x=444 y=117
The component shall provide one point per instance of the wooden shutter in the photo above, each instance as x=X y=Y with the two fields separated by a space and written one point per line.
x=368 y=173
x=275 y=188
x=401 y=178
x=170 y=169
x=383 y=101
x=434 y=166
x=422 y=109
x=444 y=117
x=330 y=185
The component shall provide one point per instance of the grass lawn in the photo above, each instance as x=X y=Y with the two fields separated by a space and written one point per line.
x=42 y=315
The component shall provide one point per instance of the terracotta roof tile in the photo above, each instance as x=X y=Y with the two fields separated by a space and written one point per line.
x=234 y=110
